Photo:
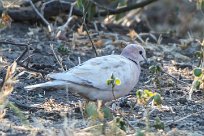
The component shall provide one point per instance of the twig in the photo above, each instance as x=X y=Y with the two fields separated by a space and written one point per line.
x=56 y=57
x=32 y=69
x=86 y=29
x=93 y=46
x=124 y=9
x=41 y=16
x=24 y=106
x=26 y=3
x=45 y=4
x=22 y=55
x=99 y=5
x=9 y=42
x=95 y=26
x=69 y=18
x=175 y=78
x=79 y=61
x=25 y=13
x=113 y=93
x=19 y=44
x=183 y=118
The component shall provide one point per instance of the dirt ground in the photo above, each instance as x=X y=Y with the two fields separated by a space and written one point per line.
x=56 y=112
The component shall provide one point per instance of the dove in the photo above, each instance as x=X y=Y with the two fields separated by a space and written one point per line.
x=89 y=78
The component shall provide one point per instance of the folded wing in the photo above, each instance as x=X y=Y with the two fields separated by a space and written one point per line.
x=96 y=71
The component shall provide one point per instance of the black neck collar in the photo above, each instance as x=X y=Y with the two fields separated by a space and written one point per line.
x=133 y=61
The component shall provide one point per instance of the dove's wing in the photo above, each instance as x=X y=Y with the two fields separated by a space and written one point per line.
x=96 y=71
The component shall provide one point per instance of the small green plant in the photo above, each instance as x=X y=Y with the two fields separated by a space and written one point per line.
x=155 y=71
x=113 y=81
x=92 y=8
x=103 y=113
x=200 y=54
x=121 y=123
x=140 y=133
x=198 y=82
x=158 y=124
x=97 y=112
x=144 y=98
x=88 y=6
x=200 y=4
x=63 y=50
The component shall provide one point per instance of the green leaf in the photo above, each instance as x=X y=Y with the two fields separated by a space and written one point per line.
x=80 y=3
x=121 y=123
x=18 y=113
x=152 y=69
x=157 y=99
x=199 y=54
x=197 y=72
x=158 y=124
x=197 y=84
x=112 y=77
x=148 y=93
x=119 y=16
x=107 y=113
x=109 y=81
x=139 y=93
x=140 y=133
x=91 y=110
x=91 y=11
x=155 y=69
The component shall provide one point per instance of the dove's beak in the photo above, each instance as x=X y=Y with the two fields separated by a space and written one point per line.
x=145 y=60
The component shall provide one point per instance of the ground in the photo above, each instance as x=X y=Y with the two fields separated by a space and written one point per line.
x=57 y=112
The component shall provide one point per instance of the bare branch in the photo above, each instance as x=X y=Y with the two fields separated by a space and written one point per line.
x=40 y=15
x=69 y=18
x=124 y=9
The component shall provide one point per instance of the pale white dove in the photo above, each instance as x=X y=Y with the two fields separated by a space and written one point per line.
x=89 y=78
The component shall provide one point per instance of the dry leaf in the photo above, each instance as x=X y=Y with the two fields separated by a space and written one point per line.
x=99 y=43
x=6 y=19
x=7 y=85
x=80 y=30
x=132 y=34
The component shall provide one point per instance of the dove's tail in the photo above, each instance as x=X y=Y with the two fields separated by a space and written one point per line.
x=53 y=83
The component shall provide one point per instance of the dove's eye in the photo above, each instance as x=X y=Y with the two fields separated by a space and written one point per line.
x=140 y=52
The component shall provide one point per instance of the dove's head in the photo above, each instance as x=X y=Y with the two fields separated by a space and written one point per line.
x=134 y=52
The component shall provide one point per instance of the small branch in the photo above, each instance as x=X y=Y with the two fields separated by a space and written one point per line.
x=32 y=69
x=45 y=4
x=23 y=105
x=56 y=57
x=18 y=44
x=69 y=18
x=175 y=78
x=185 y=117
x=55 y=7
x=93 y=46
x=124 y=9
x=22 y=55
x=40 y=15
x=100 y=6
x=26 y=3
x=87 y=31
